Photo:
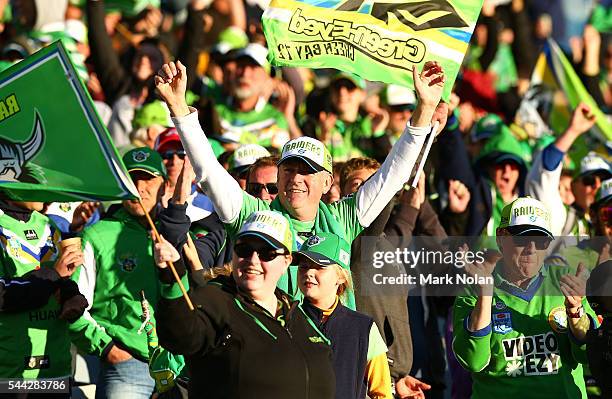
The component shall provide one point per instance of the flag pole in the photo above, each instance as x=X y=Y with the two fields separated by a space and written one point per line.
x=430 y=140
x=170 y=264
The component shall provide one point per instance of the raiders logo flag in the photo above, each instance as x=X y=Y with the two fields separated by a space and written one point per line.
x=379 y=41
x=53 y=146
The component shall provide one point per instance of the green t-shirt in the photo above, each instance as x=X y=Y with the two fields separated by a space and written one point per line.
x=264 y=125
x=339 y=218
x=33 y=344
x=527 y=351
x=351 y=140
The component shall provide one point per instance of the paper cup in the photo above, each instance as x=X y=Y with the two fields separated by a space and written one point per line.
x=70 y=242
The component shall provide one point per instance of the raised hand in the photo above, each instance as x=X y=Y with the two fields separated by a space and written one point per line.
x=582 y=119
x=182 y=190
x=82 y=214
x=429 y=84
x=70 y=258
x=574 y=288
x=171 y=86
x=458 y=196
x=483 y=269
x=164 y=252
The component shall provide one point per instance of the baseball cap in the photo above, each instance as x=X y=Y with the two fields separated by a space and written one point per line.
x=166 y=137
x=487 y=126
x=153 y=113
x=255 y=51
x=526 y=215
x=599 y=287
x=146 y=160
x=309 y=150
x=325 y=249
x=230 y=39
x=270 y=226
x=357 y=80
x=604 y=194
x=396 y=95
x=594 y=163
x=246 y=155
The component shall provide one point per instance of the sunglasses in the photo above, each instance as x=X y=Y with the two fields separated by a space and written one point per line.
x=245 y=250
x=541 y=242
x=255 y=188
x=170 y=154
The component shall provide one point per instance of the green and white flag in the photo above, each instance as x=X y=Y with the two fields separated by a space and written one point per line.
x=53 y=146
x=377 y=41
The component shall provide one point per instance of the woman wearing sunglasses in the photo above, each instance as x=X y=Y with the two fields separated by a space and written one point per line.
x=521 y=330
x=245 y=339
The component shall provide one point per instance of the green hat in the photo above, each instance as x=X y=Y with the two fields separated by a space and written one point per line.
x=153 y=113
x=270 y=226
x=526 y=215
x=146 y=160
x=325 y=249
x=486 y=127
x=604 y=194
x=309 y=150
x=357 y=80
x=246 y=155
x=503 y=146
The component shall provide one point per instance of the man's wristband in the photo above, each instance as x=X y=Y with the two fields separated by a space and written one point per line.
x=577 y=315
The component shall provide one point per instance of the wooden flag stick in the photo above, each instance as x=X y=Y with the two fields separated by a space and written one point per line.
x=170 y=264
x=430 y=140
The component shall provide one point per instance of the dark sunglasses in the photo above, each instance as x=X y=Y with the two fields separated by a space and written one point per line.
x=541 y=242
x=169 y=154
x=245 y=250
x=589 y=180
x=255 y=188
x=347 y=84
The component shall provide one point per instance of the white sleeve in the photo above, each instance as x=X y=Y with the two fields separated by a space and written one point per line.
x=224 y=192
x=543 y=185
x=379 y=189
x=87 y=275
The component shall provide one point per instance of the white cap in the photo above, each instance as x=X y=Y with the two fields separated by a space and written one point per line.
x=246 y=155
x=592 y=163
x=399 y=95
x=255 y=51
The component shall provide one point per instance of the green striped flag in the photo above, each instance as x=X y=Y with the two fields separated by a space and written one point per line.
x=377 y=41
x=554 y=70
x=53 y=146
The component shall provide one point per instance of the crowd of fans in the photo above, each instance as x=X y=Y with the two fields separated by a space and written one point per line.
x=273 y=188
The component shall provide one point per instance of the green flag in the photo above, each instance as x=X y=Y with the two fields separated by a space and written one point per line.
x=53 y=146
x=377 y=41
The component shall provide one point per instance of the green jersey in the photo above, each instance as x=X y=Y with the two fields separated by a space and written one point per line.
x=339 y=218
x=264 y=125
x=528 y=350
x=33 y=344
x=351 y=140
x=118 y=264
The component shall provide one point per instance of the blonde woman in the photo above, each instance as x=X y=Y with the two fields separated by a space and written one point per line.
x=359 y=351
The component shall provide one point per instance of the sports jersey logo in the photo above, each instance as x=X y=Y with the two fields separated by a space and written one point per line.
x=30 y=234
x=502 y=322
x=65 y=206
x=127 y=263
x=532 y=355
x=419 y=15
x=557 y=318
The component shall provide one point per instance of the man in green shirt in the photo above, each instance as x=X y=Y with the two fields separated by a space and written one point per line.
x=34 y=341
x=305 y=170
x=247 y=117
x=521 y=331
x=119 y=264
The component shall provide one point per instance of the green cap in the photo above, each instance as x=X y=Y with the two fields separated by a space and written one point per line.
x=357 y=80
x=526 y=215
x=309 y=150
x=146 y=160
x=325 y=249
x=604 y=194
x=270 y=226
x=153 y=113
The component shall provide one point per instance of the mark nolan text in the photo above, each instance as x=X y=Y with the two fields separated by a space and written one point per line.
x=432 y=279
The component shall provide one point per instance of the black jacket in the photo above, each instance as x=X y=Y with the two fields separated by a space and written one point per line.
x=235 y=349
